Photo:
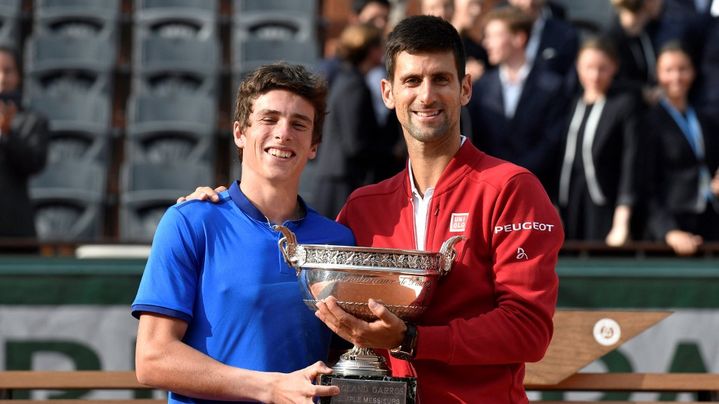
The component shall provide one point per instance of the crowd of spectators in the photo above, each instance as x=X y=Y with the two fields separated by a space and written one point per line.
x=618 y=120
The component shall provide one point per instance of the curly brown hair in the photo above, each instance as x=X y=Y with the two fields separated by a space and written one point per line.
x=282 y=76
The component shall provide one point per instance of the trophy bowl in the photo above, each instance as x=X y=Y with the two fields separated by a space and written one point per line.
x=402 y=280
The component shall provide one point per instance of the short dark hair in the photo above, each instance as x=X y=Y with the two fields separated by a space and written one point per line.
x=359 y=5
x=424 y=33
x=517 y=21
x=282 y=76
x=675 y=46
x=602 y=44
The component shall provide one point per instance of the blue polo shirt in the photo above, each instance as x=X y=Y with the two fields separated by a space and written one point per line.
x=217 y=267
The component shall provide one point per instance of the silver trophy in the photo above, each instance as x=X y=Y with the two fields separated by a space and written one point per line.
x=402 y=280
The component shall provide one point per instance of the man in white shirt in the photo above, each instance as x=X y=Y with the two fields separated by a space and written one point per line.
x=553 y=43
x=516 y=108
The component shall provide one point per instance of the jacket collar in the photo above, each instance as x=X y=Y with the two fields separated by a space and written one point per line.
x=458 y=167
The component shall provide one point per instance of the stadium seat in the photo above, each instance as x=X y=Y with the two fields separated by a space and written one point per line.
x=276 y=25
x=42 y=83
x=58 y=65
x=69 y=201
x=303 y=7
x=173 y=6
x=80 y=18
x=10 y=23
x=268 y=50
x=69 y=52
x=149 y=189
x=168 y=66
x=171 y=129
x=80 y=127
x=251 y=53
x=270 y=31
x=10 y=8
x=172 y=19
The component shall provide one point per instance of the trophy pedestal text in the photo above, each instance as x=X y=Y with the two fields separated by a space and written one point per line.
x=371 y=389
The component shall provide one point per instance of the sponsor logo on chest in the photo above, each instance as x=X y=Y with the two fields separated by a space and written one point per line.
x=458 y=222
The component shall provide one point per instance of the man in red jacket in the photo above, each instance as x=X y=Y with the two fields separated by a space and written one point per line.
x=493 y=311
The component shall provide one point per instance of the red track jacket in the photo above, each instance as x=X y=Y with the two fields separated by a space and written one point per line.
x=493 y=311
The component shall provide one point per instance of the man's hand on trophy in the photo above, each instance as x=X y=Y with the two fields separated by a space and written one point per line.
x=297 y=387
x=385 y=332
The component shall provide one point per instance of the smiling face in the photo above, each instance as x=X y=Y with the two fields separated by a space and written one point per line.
x=277 y=141
x=675 y=74
x=427 y=95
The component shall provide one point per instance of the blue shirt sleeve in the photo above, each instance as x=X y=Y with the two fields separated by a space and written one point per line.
x=169 y=282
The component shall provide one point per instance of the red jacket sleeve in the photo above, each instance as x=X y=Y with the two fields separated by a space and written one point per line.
x=524 y=239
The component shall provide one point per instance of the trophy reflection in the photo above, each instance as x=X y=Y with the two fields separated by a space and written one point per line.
x=402 y=280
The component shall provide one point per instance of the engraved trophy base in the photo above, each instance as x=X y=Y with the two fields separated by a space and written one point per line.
x=363 y=377
x=370 y=389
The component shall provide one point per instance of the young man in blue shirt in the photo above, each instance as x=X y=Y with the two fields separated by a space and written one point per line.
x=221 y=317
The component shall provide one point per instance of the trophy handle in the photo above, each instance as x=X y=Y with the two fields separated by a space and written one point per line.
x=447 y=253
x=290 y=249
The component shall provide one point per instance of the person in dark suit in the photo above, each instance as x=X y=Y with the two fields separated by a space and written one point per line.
x=516 y=109
x=23 y=151
x=709 y=70
x=556 y=10
x=553 y=42
x=375 y=13
x=684 y=148
x=633 y=34
x=688 y=21
x=346 y=157
x=597 y=180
